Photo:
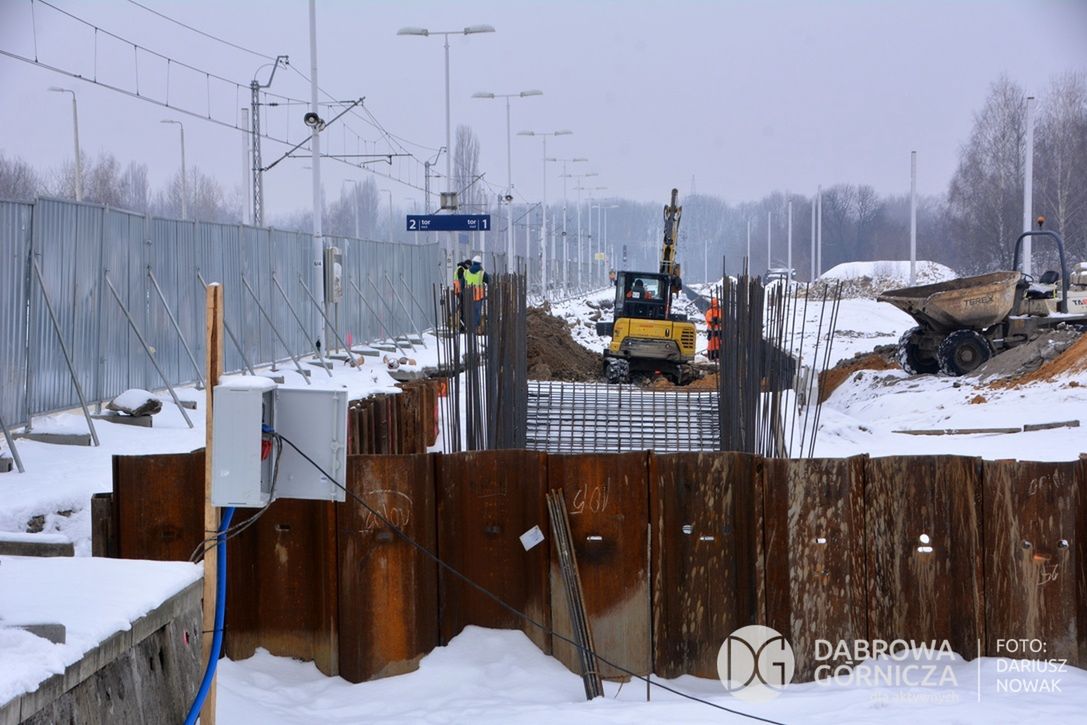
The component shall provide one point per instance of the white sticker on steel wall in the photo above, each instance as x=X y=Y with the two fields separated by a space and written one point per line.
x=531 y=537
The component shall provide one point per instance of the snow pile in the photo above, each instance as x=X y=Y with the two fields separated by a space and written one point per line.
x=868 y=279
x=499 y=676
x=135 y=401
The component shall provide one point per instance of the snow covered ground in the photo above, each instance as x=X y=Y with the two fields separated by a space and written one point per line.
x=499 y=676
x=93 y=599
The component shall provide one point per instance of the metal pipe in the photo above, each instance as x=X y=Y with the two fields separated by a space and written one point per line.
x=373 y=312
x=147 y=349
x=416 y=301
x=67 y=354
x=350 y=357
x=177 y=327
x=387 y=309
x=405 y=309
x=11 y=445
x=301 y=325
x=275 y=332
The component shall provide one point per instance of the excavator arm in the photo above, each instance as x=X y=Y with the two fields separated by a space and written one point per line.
x=668 y=264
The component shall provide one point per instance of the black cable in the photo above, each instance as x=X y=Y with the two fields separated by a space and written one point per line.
x=201 y=32
x=501 y=602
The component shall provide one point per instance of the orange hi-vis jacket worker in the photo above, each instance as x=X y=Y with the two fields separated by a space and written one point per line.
x=713 y=330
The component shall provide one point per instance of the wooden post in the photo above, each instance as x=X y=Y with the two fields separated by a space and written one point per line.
x=213 y=331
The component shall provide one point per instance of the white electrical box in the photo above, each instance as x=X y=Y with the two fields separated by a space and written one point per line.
x=246 y=411
x=239 y=474
x=315 y=420
x=333 y=274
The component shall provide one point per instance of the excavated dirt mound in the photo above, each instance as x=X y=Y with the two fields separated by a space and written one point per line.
x=554 y=355
x=882 y=358
x=1062 y=351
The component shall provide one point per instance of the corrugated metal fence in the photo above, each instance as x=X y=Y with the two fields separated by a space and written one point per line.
x=79 y=250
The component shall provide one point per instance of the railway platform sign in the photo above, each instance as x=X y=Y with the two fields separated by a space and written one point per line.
x=448 y=222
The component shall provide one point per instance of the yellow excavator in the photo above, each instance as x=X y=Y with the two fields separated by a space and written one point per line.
x=647 y=338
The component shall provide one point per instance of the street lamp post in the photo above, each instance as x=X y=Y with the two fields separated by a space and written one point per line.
x=602 y=221
x=543 y=227
x=509 y=166
x=565 y=258
x=425 y=32
x=75 y=133
x=580 y=253
x=184 y=171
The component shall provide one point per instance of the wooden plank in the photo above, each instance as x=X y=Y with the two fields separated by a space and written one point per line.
x=814 y=553
x=282 y=592
x=705 y=556
x=1033 y=517
x=608 y=501
x=159 y=505
x=486 y=500
x=213 y=370
x=923 y=532
x=388 y=593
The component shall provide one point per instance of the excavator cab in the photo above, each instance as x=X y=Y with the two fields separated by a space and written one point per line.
x=642 y=295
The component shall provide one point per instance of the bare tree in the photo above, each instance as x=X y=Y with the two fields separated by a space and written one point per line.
x=986 y=190
x=466 y=168
x=18 y=180
x=1061 y=191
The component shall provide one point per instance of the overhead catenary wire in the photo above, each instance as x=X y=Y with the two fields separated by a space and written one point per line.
x=206 y=114
x=407 y=538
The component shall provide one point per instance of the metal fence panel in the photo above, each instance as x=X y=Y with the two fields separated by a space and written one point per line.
x=164 y=263
x=122 y=242
x=78 y=245
x=15 y=236
x=67 y=244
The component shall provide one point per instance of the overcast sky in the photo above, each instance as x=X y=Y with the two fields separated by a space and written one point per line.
x=743 y=97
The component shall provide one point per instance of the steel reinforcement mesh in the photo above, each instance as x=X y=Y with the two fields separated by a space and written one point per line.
x=598 y=418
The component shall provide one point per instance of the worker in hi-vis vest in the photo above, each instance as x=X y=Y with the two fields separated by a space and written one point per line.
x=475 y=285
x=713 y=329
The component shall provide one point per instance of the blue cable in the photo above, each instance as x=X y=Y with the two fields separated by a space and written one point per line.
x=220 y=613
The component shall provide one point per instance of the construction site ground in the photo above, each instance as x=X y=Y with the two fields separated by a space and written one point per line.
x=869 y=400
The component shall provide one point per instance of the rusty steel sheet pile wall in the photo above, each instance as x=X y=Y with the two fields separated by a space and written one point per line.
x=706 y=511
x=1035 y=564
x=388 y=589
x=607 y=497
x=813 y=530
x=923 y=536
x=405 y=422
x=282 y=583
x=827 y=549
x=485 y=503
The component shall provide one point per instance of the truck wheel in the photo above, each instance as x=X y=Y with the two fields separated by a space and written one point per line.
x=912 y=357
x=963 y=351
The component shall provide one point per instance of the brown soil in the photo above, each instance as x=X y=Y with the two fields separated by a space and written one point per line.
x=707 y=382
x=1072 y=359
x=554 y=355
x=882 y=358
